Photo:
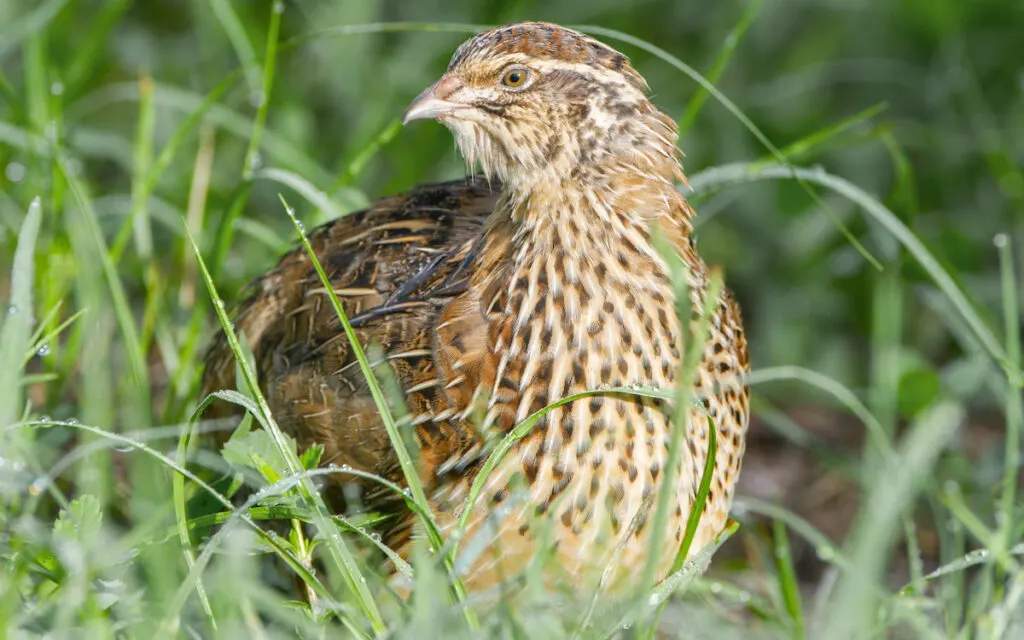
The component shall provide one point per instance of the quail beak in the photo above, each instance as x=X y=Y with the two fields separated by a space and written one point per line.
x=434 y=103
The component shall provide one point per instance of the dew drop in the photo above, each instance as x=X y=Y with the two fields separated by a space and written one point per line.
x=716 y=587
x=57 y=89
x=44 y=419
x=15 y=172
x=124 y=448
x=1000 y=240
x=38 y=486
x=257 y=98
x=13 y=310
x=71 y=421
x=1000 y=518
x=256 y=160
x=279 y=7
x=44 y=350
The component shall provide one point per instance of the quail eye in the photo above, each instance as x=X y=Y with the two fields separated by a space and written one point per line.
x=515 y=77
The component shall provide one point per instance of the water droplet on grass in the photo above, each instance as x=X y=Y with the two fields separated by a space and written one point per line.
x=15 y=172
x=57 y=88
x=44 y=350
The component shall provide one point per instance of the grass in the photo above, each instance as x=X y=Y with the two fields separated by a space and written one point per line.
x=130 y=199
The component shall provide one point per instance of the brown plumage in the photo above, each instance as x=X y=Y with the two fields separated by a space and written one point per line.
x=493 y=298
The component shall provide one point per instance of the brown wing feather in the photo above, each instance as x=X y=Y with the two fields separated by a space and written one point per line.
x=394 y=267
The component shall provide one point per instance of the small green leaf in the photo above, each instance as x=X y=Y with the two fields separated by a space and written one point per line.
x=918 y=388
x=258 y=450
x=81 y=521
x=310 y=458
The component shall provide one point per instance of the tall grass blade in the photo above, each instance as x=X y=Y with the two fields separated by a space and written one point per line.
x=1008 y=507
x=342 y=558
x=384 y=411
x=852 y=607
x=732 y=42
x=16 y=330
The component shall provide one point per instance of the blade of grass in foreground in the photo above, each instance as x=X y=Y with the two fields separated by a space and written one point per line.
x=1014 y=409
x=342 y=558
x=17 y=327
x=787 y=579
x=853 y=603
x=125 y=442
x=693 y=519
x=384 y=411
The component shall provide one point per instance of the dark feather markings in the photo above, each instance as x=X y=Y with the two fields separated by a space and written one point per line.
x=394 y=265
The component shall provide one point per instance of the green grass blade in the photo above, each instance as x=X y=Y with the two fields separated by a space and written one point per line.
x=269 y=65
x=732 y=42
x=738 y=173
x=384 y=411
x=693 y=520
x=17 y=327
x=787 y=579
x=140 y=390
x=149 y=179
x=235 y=31
x=804 y=146
x=853 y=604
x=876 y=432
x=342 y=558
x=1014 y=402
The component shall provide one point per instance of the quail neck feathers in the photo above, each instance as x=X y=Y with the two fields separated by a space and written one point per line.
x=492 y=298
